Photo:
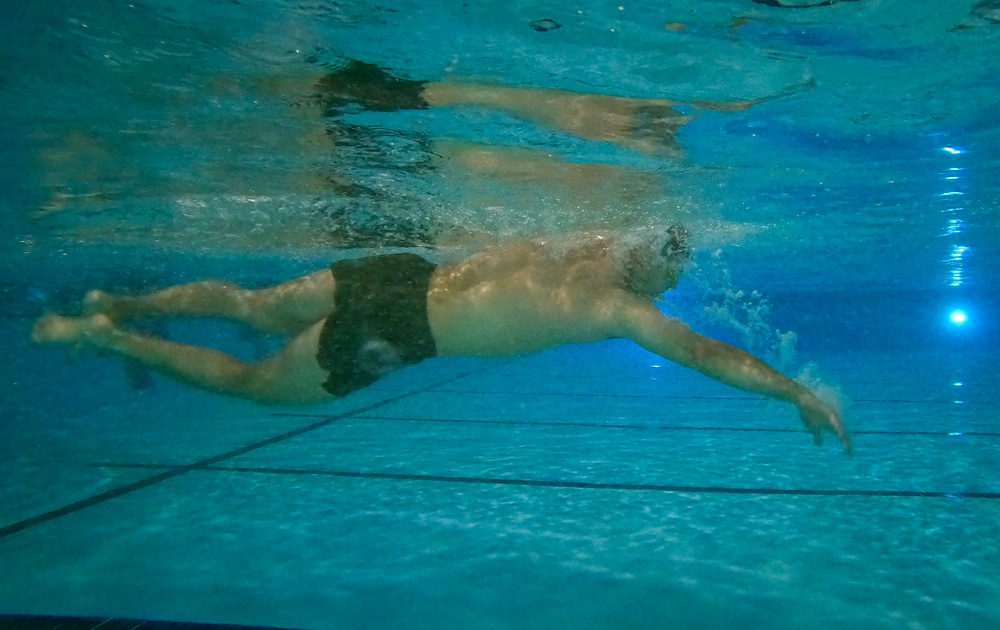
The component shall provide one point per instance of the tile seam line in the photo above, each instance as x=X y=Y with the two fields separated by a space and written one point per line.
x=177 y=471
x=653 y=427
x=888 y=401
x=56 y=622
x=587 y=485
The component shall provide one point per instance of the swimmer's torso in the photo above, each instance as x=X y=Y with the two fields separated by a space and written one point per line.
x=522 y=298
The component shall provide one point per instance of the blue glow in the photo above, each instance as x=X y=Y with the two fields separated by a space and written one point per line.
x=953 y=150
x=958 y=317
x=957 y=253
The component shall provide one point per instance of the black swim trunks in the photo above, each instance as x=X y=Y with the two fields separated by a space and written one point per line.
x=380 y=320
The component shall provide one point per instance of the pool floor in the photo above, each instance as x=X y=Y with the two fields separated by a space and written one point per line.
x=584 y=487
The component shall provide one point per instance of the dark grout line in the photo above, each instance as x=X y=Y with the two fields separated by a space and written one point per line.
x=669 y=369
x=593 y=425
x=22 y=525
x=176 y=471
x=705 y=397
x=586 y=485
x=840 y=384
x=52 y=622
x=592 y=395
x=658 y=427
x=923 y=402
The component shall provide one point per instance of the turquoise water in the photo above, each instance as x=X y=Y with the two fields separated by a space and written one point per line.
x=837 y=229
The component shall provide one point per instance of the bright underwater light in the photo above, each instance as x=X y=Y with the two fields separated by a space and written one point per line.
x=958 y=317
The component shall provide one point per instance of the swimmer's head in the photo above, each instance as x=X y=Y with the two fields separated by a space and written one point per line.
x=653 y=262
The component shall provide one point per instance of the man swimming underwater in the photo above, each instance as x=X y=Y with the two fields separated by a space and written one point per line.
x=359 y=319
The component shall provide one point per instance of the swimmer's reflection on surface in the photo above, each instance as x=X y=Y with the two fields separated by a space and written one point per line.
x=350 y=324
x=84 y=169
x=646 y=125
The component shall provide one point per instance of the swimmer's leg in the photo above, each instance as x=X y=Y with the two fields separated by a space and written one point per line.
x=291 y=376
x=286 y=308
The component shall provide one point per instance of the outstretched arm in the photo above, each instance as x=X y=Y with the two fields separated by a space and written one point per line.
x=645 y=125
x=670 y=338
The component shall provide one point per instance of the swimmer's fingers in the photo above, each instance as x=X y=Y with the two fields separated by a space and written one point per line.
x=841 y=431
x=819 y=417
x=734 y=106
x=835 y=424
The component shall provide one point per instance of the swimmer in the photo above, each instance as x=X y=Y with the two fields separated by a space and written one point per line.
x=350 y=324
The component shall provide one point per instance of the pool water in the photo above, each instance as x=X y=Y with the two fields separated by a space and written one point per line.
x=845 y=231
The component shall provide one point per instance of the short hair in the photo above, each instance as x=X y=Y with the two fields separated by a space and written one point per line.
x=677 y=243
x=649 y=257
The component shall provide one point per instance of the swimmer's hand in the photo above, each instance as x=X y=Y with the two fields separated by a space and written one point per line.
x=818 y=417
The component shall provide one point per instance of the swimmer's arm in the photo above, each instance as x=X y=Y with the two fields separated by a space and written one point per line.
x=586 y=115
x=591 y=116
x=528 y=101
x=671 y=338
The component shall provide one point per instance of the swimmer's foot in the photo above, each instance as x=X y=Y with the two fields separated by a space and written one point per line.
x=76 y=331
